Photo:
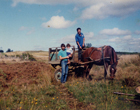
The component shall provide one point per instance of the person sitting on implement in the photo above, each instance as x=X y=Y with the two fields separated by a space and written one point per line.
x=69 y=52
x=64 y=60
x=80 y=41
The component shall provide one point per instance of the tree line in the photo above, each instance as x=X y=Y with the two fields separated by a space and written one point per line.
x=8 y=50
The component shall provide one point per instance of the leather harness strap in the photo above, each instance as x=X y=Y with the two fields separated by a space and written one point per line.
x=102 y=51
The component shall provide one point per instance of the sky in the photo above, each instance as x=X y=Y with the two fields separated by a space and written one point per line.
x=42 y=24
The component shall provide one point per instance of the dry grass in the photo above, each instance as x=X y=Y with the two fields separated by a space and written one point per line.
x=12 y=56
x=39 y=53
x=11 y=60
x=123 y=59
x=128 y=66
x=14 y=53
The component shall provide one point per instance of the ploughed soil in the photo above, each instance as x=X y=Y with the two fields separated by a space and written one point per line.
x=22 y=73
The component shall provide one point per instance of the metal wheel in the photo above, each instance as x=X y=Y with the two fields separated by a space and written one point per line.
x=58 y=74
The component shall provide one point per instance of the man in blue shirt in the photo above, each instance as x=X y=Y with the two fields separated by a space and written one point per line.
x=80 y=41
x=64 y=63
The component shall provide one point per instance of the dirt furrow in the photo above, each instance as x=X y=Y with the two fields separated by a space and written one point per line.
x=71 y=101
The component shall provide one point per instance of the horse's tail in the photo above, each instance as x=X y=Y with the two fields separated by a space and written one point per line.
x=113 y=58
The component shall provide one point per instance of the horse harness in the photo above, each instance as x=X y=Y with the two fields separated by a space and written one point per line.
x=98 y=49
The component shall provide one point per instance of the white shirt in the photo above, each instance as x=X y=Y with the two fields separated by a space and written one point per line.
x=69 y=50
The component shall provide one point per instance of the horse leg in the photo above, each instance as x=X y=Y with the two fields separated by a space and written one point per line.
x=88 y=70
x=112 y=71
x=105 y=70
x=85 y=70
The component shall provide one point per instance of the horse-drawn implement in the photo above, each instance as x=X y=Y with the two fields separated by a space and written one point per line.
x=103 y=56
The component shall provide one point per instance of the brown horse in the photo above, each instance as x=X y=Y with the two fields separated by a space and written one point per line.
x=105 y=55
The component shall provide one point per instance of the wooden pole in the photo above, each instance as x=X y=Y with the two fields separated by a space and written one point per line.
x=49 y=54
x=119 y=93
x=73 y=58
x=56 y=54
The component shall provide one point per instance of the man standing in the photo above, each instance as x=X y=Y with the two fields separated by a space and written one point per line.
x=80 y=40
x=64 y=60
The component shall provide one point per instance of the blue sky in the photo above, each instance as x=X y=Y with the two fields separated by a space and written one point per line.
x=40 y=24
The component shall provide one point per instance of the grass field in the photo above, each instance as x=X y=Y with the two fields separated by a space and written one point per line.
x=38 y=55
x=77 y=93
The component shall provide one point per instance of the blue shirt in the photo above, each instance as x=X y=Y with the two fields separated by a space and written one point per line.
x=79 y=39
x=63 y=53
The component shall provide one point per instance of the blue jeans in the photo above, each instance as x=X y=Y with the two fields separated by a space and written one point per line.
x=80 y=53
x=64 y=66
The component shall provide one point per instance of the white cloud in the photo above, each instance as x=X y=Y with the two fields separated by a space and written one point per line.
x=114 y=39
x=29 y=30
x=52 y=2
x=97 y=9
x=22 y=28
x=133 y=42
x=127 y=37
x=127 y=43
x=68 y=39
x=121 y=39
x=93 y=12
x=105 y=8
x=71 y=38
x=58 y=22
x=115 y=32
x=118 y=39
x=89 y=35
x=137 y=32
x=75 y=8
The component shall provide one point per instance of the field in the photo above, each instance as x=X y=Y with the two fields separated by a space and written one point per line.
x=31 y=85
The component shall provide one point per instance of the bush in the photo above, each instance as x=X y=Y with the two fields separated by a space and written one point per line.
x=18 y=56
x=88 y=45
x=27 y=56
x=9 y=50
x=1 y=51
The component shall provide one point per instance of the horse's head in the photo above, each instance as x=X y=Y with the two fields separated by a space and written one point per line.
x=112 y=72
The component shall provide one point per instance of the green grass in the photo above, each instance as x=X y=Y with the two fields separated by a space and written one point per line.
x=40 y=99
x=100 y=94
x=96 y=94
